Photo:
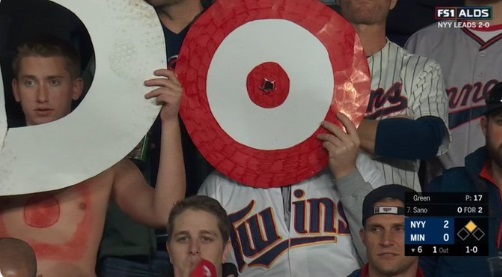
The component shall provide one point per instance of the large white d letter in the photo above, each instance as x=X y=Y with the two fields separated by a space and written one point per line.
x=114 y=116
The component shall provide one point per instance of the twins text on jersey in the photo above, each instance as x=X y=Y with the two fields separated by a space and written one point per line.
x=255 y=236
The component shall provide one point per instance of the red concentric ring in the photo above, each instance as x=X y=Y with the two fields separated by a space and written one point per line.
x=281 y=167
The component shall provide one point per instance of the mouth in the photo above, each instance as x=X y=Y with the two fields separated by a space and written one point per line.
x=43 y=111
x=387 y=255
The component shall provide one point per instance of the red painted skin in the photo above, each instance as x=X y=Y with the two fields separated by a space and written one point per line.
x=63 y=227
x=72 y=250
x=41 y=211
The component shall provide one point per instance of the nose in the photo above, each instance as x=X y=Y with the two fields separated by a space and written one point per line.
x=194 y=248
x=387 y=238
x=42 y=94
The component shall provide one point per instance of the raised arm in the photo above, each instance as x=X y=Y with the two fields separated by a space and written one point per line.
x=348 y=165
x=130 y=190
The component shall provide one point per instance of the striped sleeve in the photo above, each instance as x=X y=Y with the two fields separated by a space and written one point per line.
x=427 y=93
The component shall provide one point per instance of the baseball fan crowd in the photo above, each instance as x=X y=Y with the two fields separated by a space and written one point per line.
x=433 y=123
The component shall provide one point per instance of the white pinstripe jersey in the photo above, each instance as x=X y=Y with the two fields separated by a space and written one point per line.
x=403 y=84
x=471 y=67
x=317 y=241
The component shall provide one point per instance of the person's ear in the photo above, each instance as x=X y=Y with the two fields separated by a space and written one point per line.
x=169 y=252
x=226 y=251
x=78 y=88
x=484 y=124
x=14 y=89
x=362 y=234
x=392 y=4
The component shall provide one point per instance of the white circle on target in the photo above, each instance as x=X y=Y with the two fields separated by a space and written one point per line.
x=307 y=64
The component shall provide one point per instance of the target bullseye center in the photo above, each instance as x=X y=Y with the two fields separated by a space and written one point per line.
x=268 y=85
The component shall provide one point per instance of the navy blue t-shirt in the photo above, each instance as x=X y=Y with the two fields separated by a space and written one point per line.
x=196 y=167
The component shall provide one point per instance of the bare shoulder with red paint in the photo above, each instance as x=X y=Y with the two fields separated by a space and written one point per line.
x=64 y=227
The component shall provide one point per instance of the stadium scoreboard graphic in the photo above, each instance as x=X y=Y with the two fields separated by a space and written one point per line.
x=446 y=224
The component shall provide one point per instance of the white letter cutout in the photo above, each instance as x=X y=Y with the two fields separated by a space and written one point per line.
x=113 y=117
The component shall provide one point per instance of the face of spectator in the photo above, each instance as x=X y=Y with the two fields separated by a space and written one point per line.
x=384 y=239
x=492 y=128
x=196 y=236
x=45 y=89
x=366 y=12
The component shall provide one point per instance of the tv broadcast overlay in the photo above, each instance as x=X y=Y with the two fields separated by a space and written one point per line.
x=446 y=224
x=464 y=17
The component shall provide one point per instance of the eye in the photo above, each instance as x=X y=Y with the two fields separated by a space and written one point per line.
x=54 y=82
x=376 y=229
x=400 y=228
x=207 y=239
x=29 y=83
x=182 y=239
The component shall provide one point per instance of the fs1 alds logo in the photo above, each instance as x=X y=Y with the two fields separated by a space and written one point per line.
x=464 y=13
x=255 y=237
x=383 y=103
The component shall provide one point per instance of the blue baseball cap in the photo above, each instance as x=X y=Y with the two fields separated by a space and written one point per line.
x=393 y=191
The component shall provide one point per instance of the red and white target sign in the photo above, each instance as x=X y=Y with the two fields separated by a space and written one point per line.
x=259 y=78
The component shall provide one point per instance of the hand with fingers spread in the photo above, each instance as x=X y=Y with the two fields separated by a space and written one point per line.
x=168 y=93
x=343 y=147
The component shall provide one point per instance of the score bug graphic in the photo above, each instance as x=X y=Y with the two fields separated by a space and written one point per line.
x=454 y=224
x=430 y=230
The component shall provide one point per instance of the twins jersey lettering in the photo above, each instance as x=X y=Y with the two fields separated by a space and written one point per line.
x=408 y=85
x=471 y=67
x=316 y=242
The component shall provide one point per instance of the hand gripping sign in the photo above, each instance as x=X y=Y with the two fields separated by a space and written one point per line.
x=259 y=78
x=129 y=45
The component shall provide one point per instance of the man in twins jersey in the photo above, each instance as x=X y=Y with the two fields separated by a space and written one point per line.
x=470 y=60
x=407 y=112
x=301 y=230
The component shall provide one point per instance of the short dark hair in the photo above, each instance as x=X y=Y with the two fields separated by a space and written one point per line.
x=48 y=46
x=201 y=203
